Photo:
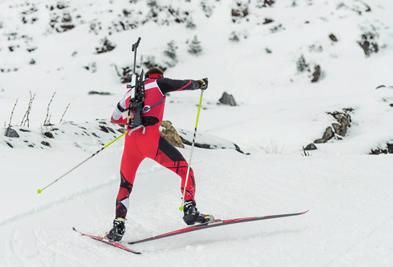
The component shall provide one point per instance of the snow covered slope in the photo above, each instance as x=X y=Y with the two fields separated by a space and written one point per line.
x=287 y=64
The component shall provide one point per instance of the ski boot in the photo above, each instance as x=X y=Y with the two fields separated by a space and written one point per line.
x=118 y=230
x=192 y=215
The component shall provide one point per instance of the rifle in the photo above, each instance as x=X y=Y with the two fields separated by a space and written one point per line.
x=136 y=102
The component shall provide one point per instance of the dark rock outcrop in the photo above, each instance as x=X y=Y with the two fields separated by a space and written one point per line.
x=386 y=150
x=327 y=135
x=369 y=43
x=9 y=132
x=314 y=71
x=316 y=74
x=339 y=128
x=106 y=46
x=48 y=135
x=106 y=129
x=45 y=143
x=227 y=99
x=310 y=147
x=98 y=93
x=333 y=37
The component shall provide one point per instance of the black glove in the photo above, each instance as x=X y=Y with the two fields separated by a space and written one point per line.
x=203 y=83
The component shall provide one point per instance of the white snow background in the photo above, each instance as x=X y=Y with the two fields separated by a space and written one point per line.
x=348 y=191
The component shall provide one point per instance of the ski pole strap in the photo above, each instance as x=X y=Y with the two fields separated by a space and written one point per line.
x=131 y=130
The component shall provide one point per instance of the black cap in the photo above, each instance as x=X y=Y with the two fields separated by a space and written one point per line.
x=155 y=72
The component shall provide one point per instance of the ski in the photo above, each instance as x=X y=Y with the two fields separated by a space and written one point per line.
x=215 y=223
x=106 y=241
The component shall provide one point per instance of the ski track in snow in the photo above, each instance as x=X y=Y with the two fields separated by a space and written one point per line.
x=56 y=244
x=359 y=242
x=53 y=204
x=72 y=196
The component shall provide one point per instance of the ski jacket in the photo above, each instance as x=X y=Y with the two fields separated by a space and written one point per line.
x=154 y=103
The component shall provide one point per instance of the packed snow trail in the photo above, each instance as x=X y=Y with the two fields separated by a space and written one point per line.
x=346 y=216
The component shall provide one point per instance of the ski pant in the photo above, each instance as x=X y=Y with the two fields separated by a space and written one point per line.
x=139 y=146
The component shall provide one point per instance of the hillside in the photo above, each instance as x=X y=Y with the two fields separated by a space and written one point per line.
x=314 y=97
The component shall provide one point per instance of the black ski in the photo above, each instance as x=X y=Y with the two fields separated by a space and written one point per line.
x=215 y=223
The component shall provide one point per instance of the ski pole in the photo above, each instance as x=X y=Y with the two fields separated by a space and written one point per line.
x=181 y=208
x=40 y=190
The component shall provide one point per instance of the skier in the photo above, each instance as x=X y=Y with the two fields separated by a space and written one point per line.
x=146 y=142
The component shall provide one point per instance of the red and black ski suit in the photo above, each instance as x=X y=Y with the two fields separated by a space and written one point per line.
x=148 y=143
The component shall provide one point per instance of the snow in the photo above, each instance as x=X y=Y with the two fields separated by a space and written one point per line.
x=347 y=190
